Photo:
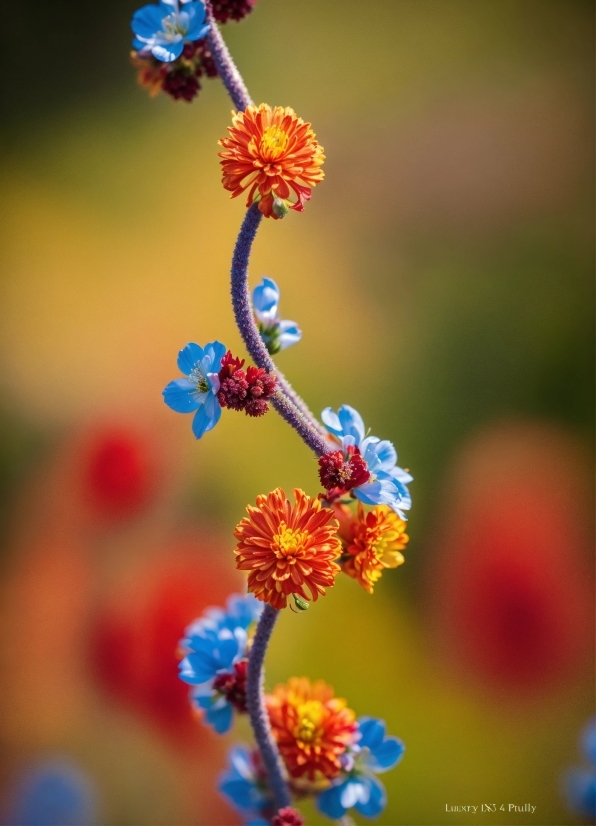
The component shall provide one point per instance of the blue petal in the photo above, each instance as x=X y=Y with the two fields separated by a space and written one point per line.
x=331 y=421
x=168 y=52
x=197 y=668
x=227 y=651
x=241 y=763
x=375 y=493
x=207 y=416
x=215 y=350
x=402 y=475
x=265 y=298
x=372 y=732
x=220 y=718
x=386 y=756
x=189 y=357
x=329 y=802
x=386 y=454
x=182 y=396
x=377 y=799
x=290 y=334
x=197 y=30
x=355 y=791
x=146 y=21
x=351 y=422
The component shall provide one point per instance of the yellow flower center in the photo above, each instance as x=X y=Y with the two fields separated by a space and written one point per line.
x=289 y=542
x=273 y=143
x=310 y=715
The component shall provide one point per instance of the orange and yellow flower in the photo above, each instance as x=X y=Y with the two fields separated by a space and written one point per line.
x=373 y=541
x=288 y=548
x=312 y=728
x=275 y=153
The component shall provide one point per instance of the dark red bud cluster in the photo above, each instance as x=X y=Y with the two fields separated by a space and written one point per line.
x=339 y=475
x=179 y=79
x=288 y=816
x=224 y=10
x=244 y=390
x=233 y=685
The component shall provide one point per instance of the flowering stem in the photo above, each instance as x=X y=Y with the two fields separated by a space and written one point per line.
x=257 y=710
x=289 y=391
x=252 y=338
x=226 y=68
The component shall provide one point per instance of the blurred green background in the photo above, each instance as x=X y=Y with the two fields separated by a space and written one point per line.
x=443 y=279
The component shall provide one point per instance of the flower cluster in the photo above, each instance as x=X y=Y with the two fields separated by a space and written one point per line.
x=215 y=379
x=372 y=541
x=358 y=787
x=292 y=551
x=580 y=783
x=274 y=154
x=313 y=730
x=170 y=53
x=288 y=549
x=276 y=334
x=326 y=752
x=364 y=466
x=215 y=648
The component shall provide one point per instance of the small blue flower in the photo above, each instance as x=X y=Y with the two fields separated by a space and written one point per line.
x=358 y=787
x=198 y=392
x=580 y=783
x=388 y=482
x=163 y=29
x=243 y=787
x=276 y=334
x=215 y=648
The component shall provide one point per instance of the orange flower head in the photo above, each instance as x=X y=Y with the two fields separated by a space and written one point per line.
x=275 y=153
x=372 y=542
x=288 y=548
x=312 y=728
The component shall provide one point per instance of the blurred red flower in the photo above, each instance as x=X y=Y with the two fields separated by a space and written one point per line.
x=119 y=472
x=135 y=639
x=510 y=592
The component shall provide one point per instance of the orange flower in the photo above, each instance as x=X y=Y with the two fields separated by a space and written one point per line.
x=372 y=542
x=150 y=73
x=287 y=548
x=312 y=728
x=274 y=152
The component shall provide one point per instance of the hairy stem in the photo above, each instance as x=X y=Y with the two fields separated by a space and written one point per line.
x=226 y=68
x=257 y=711
x=252 y=338
x=286 y=387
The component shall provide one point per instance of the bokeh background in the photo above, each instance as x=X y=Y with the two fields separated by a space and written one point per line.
x=442 y=276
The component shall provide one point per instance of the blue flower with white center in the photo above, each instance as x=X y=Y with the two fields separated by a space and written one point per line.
x=276 y=334
x=198 y=392
x=215 y=665
x=163 y=29
x=243 y=787
x=388 y=482
x=358 y=787
x=580 y=783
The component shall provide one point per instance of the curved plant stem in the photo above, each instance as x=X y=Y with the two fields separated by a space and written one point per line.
x=226 y=68
x=252 y=338
x=257 y=710
x=289 y=391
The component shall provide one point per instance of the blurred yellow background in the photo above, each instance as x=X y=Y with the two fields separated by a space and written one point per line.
x=442 y=277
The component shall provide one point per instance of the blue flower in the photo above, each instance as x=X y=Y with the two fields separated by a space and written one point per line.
x=388 y=483
x=580 y=783
x=163 y=29
x=215 y=665
x=358 y=787
x=276 y=334
x=198 y=392
x=243 y=787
